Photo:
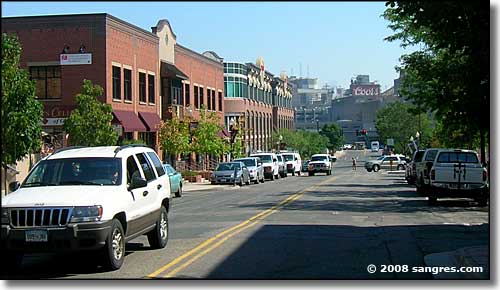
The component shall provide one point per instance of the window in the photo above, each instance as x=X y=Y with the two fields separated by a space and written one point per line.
x=220 y=101
x=213 y=100
x=156 y=163
x=48 y=81
x=431 y=155
x=201 y=97
x=151 y=89
x=209 y=100
x=127 y=84
x=146 y=167
x=132 y=169
x=142 y=87
x=117 y=81
x=186 y=94
x=196 y=99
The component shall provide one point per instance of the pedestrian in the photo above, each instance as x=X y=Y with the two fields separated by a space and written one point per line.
x=353 y=163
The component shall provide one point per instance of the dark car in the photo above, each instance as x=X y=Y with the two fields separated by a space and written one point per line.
x=231 y=172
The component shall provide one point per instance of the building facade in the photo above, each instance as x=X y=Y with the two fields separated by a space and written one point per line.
x=257 y=102
x=61 y=51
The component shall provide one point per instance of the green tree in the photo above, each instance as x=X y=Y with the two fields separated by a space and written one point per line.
x=447 y=75
x=21 y=112
x=305 y=142
x=205 y=136
x=90 y=123
x=397 y=121
x=174 y=136
x=334 y=134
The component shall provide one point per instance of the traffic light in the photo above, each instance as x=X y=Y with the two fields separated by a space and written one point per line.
x=364 y=131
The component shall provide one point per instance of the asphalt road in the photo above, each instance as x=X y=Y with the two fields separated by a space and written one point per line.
x=320 y=227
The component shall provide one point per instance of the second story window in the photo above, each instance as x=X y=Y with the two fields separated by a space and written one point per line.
x=213 y=101
x=142 y=87
x=151 y=88
x=187 y=94
x=201 y=97
x=196 y=99
x=48 y=81
x=127 y=84
x=220 y=101
x=117 y=82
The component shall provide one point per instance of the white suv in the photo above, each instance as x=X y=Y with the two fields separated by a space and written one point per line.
x=270 y=164
x=88 y=198
x=293 y=163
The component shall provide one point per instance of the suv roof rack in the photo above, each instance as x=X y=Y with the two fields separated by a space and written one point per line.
x=129 y=146
x=65 y=149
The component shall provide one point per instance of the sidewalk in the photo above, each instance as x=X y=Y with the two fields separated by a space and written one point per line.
x=477 y=256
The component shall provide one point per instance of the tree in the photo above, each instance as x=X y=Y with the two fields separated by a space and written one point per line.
x=174 y=136
x=450 y=74
x=90 y=123
x=334 y=134
x=205 y=136
x=396 y=121
x=21 y=112
x=305 y=142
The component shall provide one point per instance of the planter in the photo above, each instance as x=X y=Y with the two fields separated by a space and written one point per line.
x=196 y=178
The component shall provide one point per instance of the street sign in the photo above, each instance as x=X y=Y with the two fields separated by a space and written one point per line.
x=390 y=142
x=75 y=58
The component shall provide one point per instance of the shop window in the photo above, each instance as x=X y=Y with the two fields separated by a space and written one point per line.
x=127 y=84
x=142 y=87
x=48 y=81
x=151 y=89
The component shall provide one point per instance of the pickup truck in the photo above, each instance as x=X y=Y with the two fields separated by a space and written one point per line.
x=458 y=173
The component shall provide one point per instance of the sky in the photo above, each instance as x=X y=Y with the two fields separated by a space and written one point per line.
x=331 y=41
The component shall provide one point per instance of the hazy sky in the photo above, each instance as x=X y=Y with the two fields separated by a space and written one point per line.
x=336 y=40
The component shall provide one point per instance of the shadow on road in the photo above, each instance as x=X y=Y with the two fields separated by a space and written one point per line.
x=342 y=252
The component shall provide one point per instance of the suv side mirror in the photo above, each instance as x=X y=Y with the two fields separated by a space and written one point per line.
x=296 y=159
x=274 y=160
x=137 y=182
x=13 y=186
x=259 y=164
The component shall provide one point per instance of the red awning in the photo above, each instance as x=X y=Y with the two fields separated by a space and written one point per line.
x=129 y=121
x=152 y=120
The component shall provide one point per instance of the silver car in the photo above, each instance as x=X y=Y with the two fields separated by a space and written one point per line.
x=388 y=162
x=255 y=168
x=231 y=172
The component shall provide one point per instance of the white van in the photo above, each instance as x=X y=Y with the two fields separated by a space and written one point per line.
x=375 y=146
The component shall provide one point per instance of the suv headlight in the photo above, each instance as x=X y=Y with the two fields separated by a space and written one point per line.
x=86 y=214
x=5 y=216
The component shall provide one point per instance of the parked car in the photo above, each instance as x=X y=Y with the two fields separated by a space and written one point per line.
x=305 y=165
x=270 y=164
x=175 y=180
x=87 y=198
x=281 y=165
x=320 y=163
x=293 y=163
x=411 y=167
x=388 y=162
x=231 y=172
x=255 y=168
x=458 y=173
x=423 y=168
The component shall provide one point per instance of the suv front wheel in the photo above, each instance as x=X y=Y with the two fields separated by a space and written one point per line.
x=114 y=251
x=376 y=168
x=158 y=237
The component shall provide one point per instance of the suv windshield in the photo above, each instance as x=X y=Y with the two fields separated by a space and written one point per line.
x=418 y=156
x=288 y=157
x=265 y=158
x=248 y=162
x=318 y=158
x=76 y=171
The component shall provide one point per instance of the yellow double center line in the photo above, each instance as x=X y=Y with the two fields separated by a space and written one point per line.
x=212 y=243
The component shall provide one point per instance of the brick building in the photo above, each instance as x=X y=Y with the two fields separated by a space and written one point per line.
x=61 y=51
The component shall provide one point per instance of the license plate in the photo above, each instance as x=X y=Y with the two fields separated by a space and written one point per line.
x=36 y=236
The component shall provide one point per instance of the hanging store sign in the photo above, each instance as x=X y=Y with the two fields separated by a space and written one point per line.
x=76 y=59
x=52 y=121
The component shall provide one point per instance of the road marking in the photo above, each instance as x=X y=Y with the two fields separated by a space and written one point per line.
x=197 y=251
